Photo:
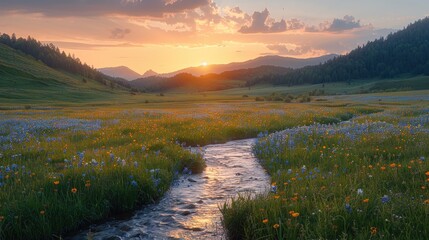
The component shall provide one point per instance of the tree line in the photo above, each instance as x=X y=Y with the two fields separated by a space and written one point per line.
x=400 y=53
x=53 y=57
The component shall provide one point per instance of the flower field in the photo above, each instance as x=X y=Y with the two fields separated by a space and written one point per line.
x=366 y=178
x=61 y=170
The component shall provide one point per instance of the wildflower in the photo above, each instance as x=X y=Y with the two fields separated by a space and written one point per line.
x=423 y=187
x=385 y=199
x=295 y=214
x=94 y=162
x=426 y=201
x=366 y=200
x=360 y=191
x=88 y=184
x=74 y=190
x=133 y=183
x=42 y=212
x=373 y=230
x=392 y=165
x=348 y=208
x=427 y=173
x=347 y=199
x=1 y=218
x=56 y=182
x=275 y=226
x=273 y=188
x=383 y=168
x=265 y=221
x=276 y=196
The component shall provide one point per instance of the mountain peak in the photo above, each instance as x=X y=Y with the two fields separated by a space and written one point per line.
x=149 y=73
x=120 y=71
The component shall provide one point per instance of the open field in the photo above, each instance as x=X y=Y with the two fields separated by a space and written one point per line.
x=91 y=162
x=366 y=178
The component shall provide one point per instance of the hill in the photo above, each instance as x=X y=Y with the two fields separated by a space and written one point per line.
x=23 y=79
x=51 y=55
x=404 y=53
x=148 y=73
x=208 y=82
x=120 y=72
x=278 y=61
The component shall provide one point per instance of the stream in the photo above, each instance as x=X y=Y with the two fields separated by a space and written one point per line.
x=190 y=209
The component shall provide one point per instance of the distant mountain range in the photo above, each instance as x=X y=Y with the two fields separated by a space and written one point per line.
x=272 y=60
x=121 y=72
x=277 y=61
x=208 y=82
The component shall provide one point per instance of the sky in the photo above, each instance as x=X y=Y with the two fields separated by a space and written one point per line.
x=168 y=35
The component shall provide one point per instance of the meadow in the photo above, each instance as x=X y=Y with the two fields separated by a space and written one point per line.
x=365 y=178
x=64 y=168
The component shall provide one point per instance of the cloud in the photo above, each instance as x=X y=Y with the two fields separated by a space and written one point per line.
x=337 y=25
x=295 y=24
x=261 y=24
x=236 y=15
x=347 y=23
x=282 y=49
x=119 y=33
x=91 y=8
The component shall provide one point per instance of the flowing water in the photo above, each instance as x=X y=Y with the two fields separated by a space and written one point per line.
x=190 y=209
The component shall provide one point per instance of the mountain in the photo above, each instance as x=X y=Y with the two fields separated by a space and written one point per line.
x=404 y=53
x=120 y=72
x=149 y=73
x=208 y=82
x=28 y=80
x=272 y=60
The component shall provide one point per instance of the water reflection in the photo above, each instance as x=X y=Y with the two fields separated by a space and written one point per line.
x=190 y=210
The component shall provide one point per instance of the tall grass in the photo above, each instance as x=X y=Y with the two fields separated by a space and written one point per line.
x=364 y=179
x=62 y=170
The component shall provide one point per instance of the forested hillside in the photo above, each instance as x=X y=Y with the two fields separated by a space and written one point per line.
x=51 y=55
x=403 y=52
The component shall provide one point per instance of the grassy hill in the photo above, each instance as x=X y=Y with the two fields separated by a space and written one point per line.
x=26 y=80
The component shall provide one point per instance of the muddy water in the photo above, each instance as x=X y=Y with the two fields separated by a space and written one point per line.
x=190 y=210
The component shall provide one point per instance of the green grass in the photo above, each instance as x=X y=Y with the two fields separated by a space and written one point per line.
x=24 y=80
x=75 y=166
x=340 y=88
x=367 y=179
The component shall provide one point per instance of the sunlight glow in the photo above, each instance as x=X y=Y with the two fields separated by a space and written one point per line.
x=204 y=64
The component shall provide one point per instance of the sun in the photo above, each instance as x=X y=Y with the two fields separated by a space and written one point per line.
x=204 y=64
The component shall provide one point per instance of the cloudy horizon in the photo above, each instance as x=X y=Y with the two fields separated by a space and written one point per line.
x=167 y=35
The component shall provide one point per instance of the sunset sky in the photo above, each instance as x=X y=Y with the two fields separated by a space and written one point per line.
x=167 y=35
